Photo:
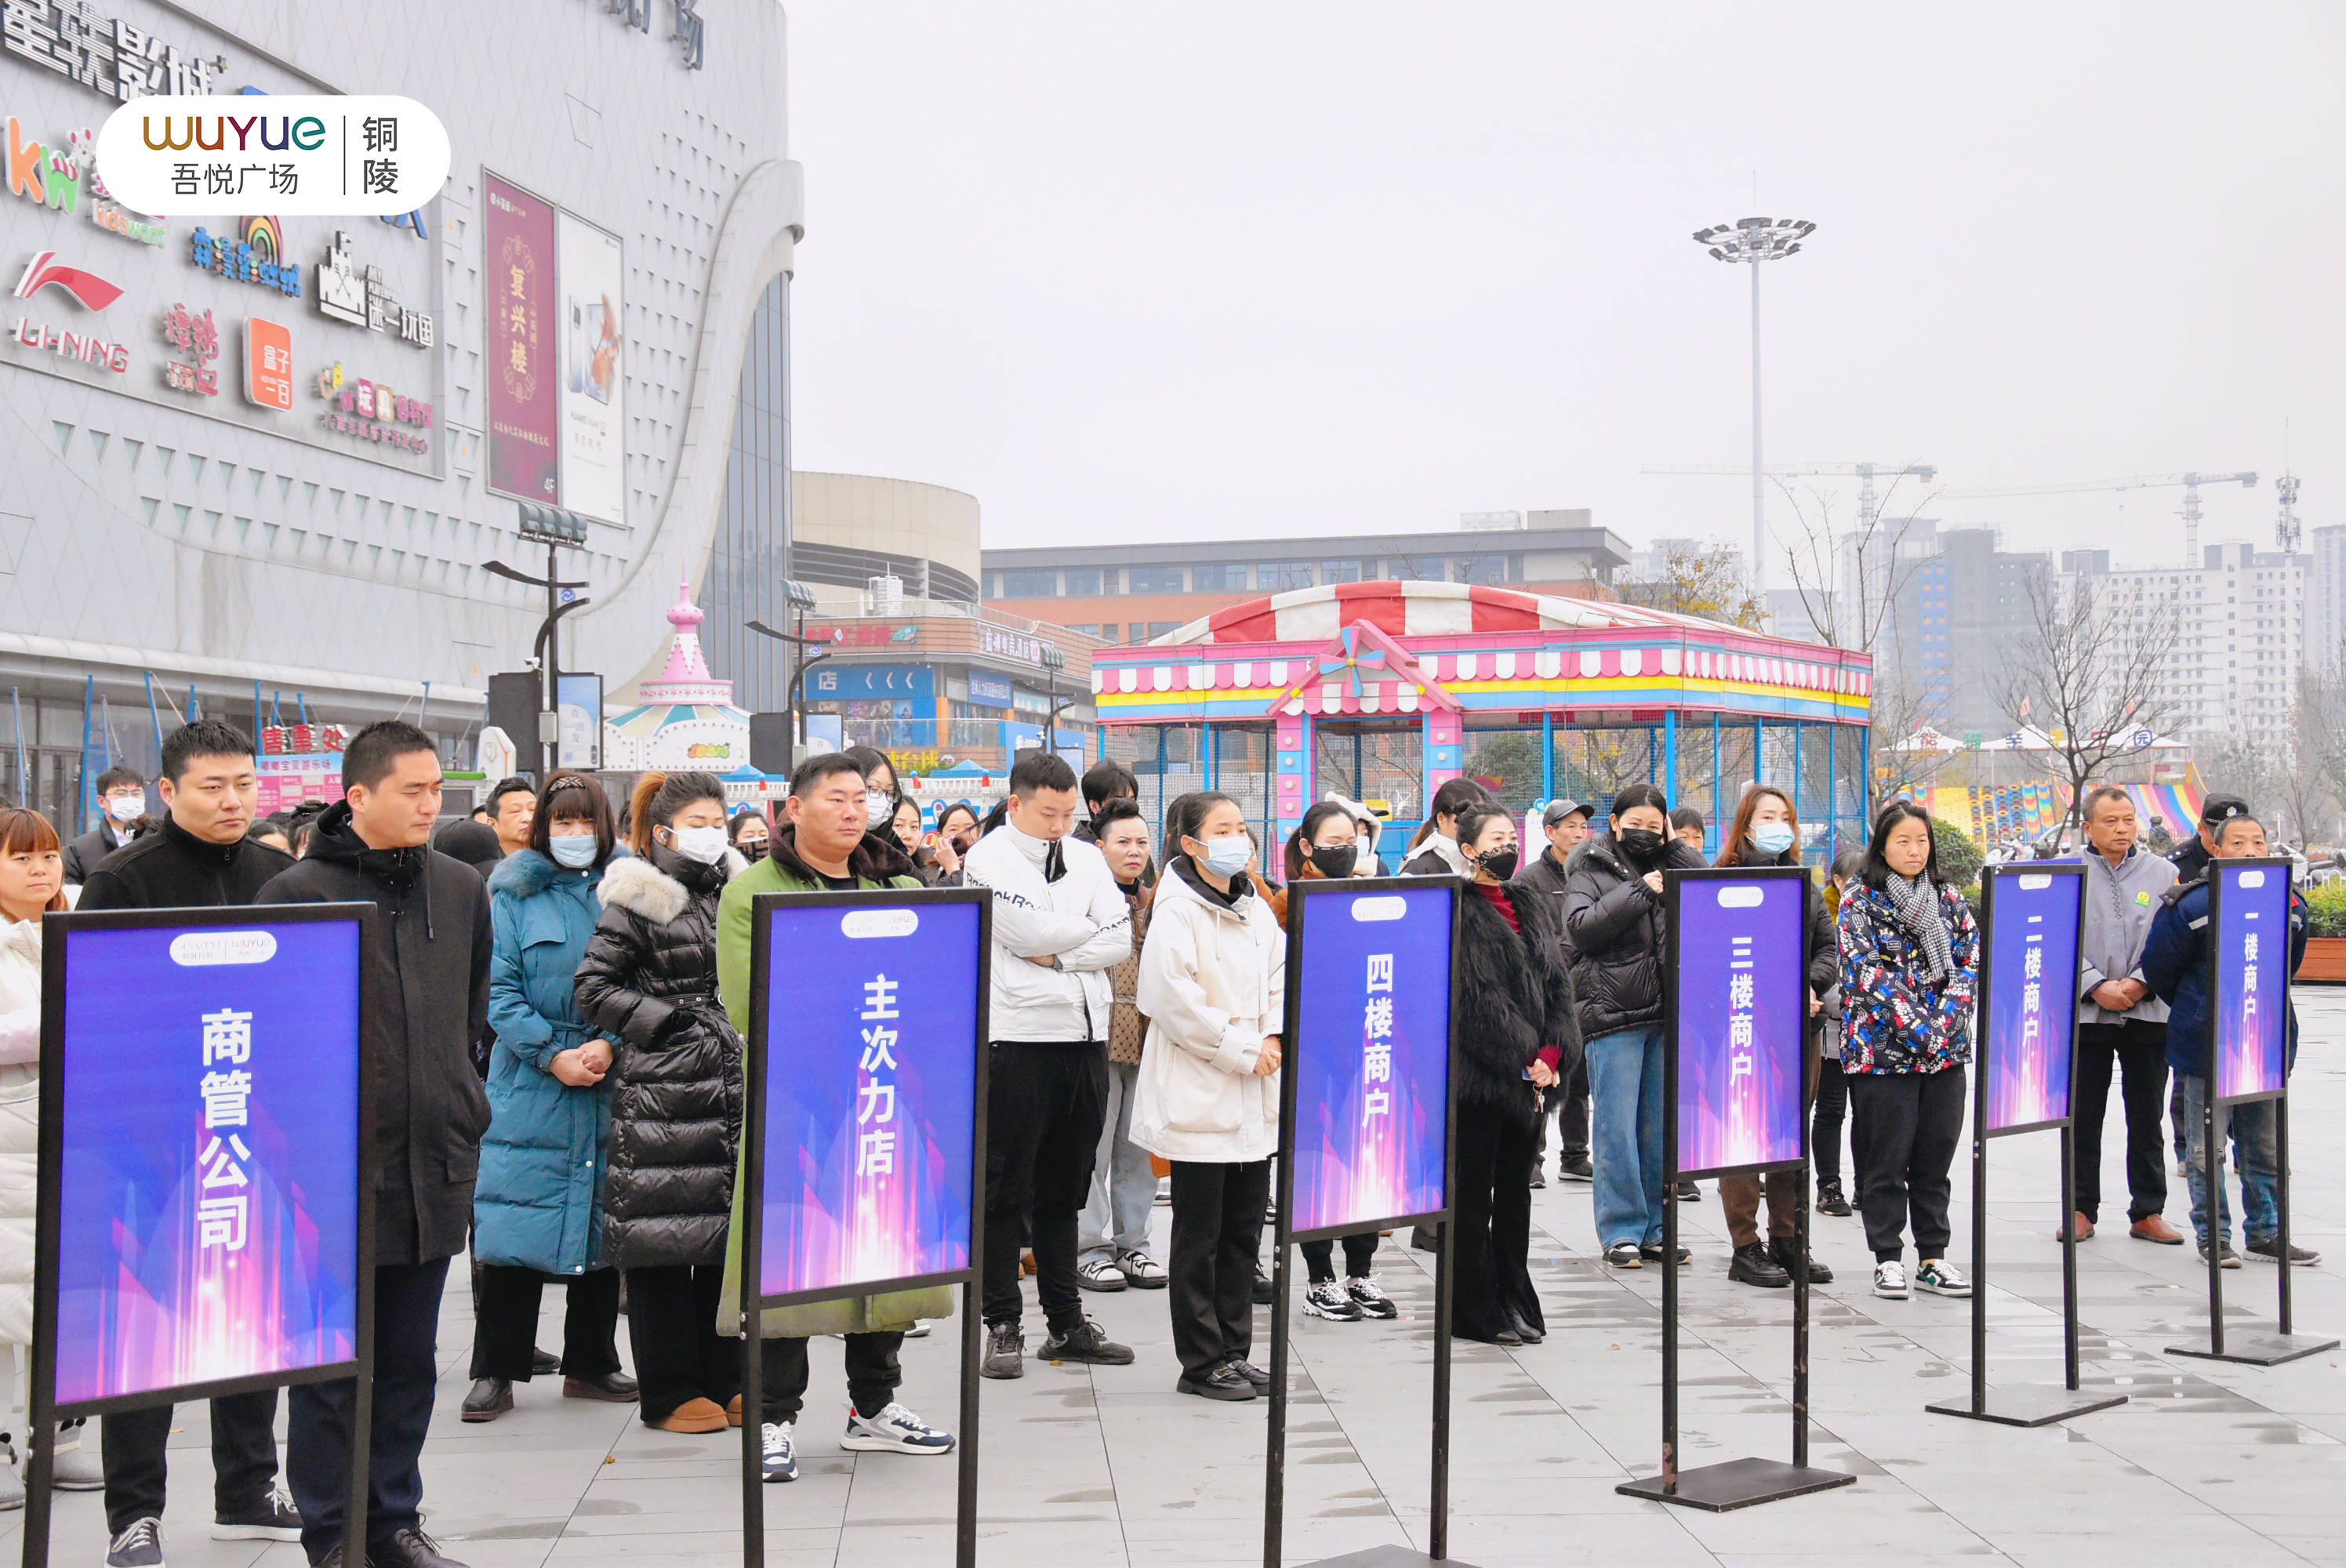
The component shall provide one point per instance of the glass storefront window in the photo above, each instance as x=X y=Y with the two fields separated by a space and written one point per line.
x=1507 y=763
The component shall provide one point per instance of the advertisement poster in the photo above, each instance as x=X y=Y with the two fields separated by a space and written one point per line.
x=520 y=299
x=1371 y=1056
x=578 y=709
x=2032 y=1003
x=871 y=1061
x=1742 y=1022
x=591 y=275
x=2250 y=931
x=209 y=1190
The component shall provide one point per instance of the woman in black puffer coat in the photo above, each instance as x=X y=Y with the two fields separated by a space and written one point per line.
x=1513 y=1007
x=649 y=980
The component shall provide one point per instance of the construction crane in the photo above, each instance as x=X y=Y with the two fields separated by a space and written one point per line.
x=1864 y=472
x=2189 y=482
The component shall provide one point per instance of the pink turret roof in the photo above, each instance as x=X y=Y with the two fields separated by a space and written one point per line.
x=687 y=677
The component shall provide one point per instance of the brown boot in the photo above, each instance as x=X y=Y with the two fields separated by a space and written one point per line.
x=2154 y=1227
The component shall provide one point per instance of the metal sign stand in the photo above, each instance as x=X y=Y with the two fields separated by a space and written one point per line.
x=751 y=1301
x=41 y=1408
x=1738 y=1483
x=2026 y=1404
x=2250 y=1349
x=1274 y=1509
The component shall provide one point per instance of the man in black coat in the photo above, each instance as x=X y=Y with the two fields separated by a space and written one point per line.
x=198 y=858
x=428 y=967
x=122 y=796
x=1541 y=883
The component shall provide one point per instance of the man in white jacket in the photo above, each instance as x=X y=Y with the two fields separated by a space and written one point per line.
x=1060 y=924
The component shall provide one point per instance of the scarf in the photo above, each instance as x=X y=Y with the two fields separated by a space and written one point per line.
x=1917 y=903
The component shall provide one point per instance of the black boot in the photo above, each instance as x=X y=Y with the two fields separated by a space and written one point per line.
x=1752 y=1266
x=1781 y=1248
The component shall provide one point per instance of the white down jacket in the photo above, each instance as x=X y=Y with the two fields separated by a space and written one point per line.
x=1213 y=983
x=20 y=1121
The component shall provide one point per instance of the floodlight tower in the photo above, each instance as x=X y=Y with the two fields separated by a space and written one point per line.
x=1753 y=240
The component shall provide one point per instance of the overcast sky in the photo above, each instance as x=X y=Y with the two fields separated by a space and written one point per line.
x=1208 y=270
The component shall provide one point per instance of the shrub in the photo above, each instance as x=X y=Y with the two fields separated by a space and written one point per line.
x=2326 y=910
x=1959 y=858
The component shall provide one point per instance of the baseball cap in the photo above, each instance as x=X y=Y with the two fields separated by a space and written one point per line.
x=2221 y=809
x=1558 y=809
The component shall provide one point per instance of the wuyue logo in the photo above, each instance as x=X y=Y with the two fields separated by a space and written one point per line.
x=307 y=153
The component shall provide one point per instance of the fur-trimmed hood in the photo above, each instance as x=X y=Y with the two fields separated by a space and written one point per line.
x=637 y=884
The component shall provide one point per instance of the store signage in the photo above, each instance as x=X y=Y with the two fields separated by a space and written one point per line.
x=357 y=296
x=989 y=690
x=1010 y=644
x=107 y=56
x=105 y=354
x=197 y=338
x=268 y=365
x=553 y=297
x=373 y=412
x=104 y=209
x=2029 y=1013
x=1739 y=1018
x=317 y=156
x=687 y=30
x=253 y=258
x=60 y=178
x=90 y=291
x=2249 y=926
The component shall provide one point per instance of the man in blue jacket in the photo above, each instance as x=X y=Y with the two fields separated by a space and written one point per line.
x=2175 y=962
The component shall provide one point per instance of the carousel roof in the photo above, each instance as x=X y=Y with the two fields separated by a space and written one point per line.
x=1420 y=609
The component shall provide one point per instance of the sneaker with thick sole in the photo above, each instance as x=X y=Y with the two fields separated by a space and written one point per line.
x=489 y=1398
x=778 y=1453
x=1941 y=1277
x=138 y=1546
x=1224 y=1382
x=1099 y=1274
x=1626 y=1255
x=1752 y=1266
x=1889 y=1280
x=1830 y=1201
x=272 y=1518
x=2231 y=1259
x=1329 y=1301
x=1539 y=1174
x=1141 y=1271
x=1689 y=1193
x=1371 y=1299
x=894 y=1429
x=2268 y=1251
x=1784 y=1251
x=1653 y=1253
x=1005 y=1353
x=1575 y=1167
x=1085 y=1342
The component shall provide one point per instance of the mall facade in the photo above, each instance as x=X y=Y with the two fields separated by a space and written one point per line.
x=264 y=467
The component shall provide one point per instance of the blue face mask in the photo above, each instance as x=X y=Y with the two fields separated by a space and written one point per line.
x=1772 y=837
x=576 y=850
x=1228 y=857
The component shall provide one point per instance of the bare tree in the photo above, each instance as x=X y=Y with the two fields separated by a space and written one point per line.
x=2310 y=781
x=1700 y=580
x=2088 y=673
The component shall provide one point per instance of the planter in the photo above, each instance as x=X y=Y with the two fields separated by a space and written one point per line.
x=2325 y=960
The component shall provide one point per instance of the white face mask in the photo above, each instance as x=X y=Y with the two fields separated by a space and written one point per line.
x=878 y=807
x=125 y=808
x=706 y=845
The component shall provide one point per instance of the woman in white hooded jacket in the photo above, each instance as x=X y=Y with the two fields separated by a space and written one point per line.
x=32 y=883
x=1213 y=986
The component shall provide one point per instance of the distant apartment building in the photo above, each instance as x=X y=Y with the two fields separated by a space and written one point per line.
x=2325 y=599
x=1133 y=593
x=1959 y=605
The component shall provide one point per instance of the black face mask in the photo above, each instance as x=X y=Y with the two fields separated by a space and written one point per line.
x=1336 y=860
x=1500 y=863
x=752 y=851
x=1642 y=845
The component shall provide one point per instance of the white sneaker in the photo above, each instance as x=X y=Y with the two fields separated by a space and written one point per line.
x=1329 y=1299
x=894 y=1429
x=779 y=1461
x=1371 y=1299
x=1099 y=1273
x=1889 y=1280
x=1939 y=1278
x=12 y=1485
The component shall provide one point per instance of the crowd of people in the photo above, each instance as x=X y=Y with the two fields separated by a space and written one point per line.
x=563 y=987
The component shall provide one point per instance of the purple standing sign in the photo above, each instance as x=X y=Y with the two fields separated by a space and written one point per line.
x=1740 y=1016
x=2248 y=926
x=2031 y=1006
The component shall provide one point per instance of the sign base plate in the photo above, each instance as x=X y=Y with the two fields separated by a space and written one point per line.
x=2030 y=1405
x=2257 y=1349
x=1386 y=1557
x=1738 y=1483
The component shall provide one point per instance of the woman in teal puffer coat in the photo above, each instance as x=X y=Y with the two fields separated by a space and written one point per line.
x=538 y=1210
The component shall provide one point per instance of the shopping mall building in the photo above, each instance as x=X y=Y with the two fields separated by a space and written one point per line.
x=264 y=463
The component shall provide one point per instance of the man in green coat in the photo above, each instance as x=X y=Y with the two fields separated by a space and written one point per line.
x=821 y=845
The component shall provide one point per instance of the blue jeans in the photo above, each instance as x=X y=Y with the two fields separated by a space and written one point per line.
x=2250 y=1134
x=1625 y=1135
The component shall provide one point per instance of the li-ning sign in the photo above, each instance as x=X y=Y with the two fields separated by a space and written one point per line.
x=310 y=154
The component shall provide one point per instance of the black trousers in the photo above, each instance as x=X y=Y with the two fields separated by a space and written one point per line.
x=1359 y=1249
x=1903 y=1128
x=1046 y=1103
x=505 y=1321
x=1491 y=1213
x=1217 y=1240
x=244 y=1457
x=318 y=1418
x=1831 y=1111
x=2138 y=1051
x=1570 y=1100
x=872 y=1374
x=672 y=1327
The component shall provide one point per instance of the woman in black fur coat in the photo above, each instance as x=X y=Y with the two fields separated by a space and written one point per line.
x=1509 y=989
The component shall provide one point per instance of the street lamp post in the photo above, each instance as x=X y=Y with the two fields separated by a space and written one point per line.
x=800 y=600
x=1753 y=240
x=552 y=528
x=1054 y=661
